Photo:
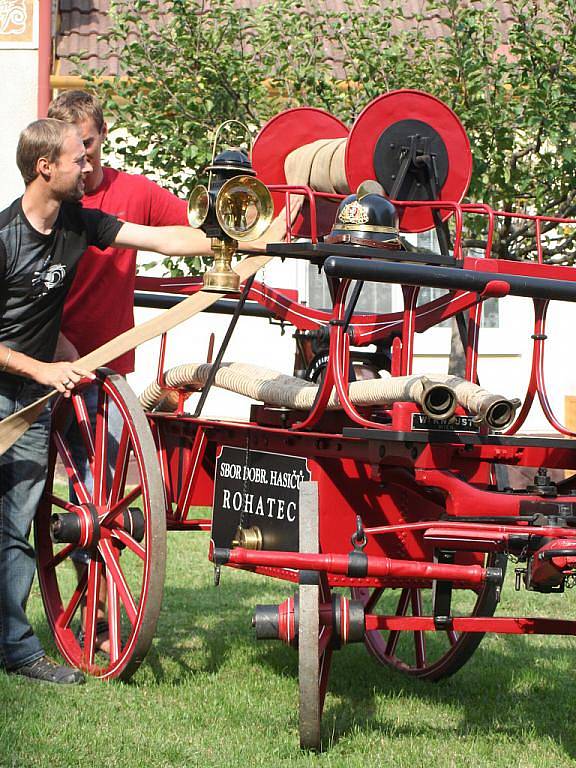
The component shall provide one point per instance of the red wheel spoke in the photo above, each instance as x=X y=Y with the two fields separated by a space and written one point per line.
x=324 y=589
x=114 y=635
x=68 y=614
x=324 y=651
x=324 y=639
x=131 y=543
x=452 y=636
x=113 y=565
x=92 y=598
x=373 y=599
x=420 y=648
x=121 y=467
x=71 y=469
x=419 y=637
x=392 y=642
x=59 y=557
x=101 y=449
x=325 y=663
x=394 y=636
x=121 y=504
x=402 y=606
x=416 y=602
x=84 y=426
x=63 y=503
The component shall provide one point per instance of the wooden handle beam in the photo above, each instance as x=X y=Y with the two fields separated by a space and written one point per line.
x=15 y=425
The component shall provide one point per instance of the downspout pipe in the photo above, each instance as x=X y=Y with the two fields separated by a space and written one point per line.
x=44 y=56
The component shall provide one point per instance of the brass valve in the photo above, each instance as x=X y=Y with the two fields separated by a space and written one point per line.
x=248 y=538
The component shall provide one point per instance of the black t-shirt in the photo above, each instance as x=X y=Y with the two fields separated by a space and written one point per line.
x=36 y=271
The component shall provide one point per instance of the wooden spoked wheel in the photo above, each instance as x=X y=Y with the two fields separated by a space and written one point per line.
x=113 y=513
x=427 y=655
x=314 y=635
x=314 y=658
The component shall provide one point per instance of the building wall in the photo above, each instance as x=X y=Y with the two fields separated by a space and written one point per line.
x=19 y=86
x=19 y=72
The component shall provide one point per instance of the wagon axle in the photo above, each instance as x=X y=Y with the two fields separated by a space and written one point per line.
x=345 y=619
x=358 y=565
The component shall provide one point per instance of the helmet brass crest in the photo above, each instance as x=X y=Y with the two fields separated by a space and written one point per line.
x=354 y=213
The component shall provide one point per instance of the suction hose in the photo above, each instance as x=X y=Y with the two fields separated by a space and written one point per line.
x=436 y=398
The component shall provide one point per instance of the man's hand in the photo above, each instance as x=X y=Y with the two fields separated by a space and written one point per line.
x=62 y=376
x=65 y=350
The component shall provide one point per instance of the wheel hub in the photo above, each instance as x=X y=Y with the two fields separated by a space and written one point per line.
x=80 y=527
x=281 y=622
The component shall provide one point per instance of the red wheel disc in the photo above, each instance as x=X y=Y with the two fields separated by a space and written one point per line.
x=390 y=108
x=281 y=135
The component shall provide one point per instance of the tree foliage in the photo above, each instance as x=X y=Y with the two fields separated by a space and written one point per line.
x=508 y=70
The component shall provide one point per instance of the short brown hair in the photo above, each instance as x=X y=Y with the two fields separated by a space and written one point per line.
x=42 y=138
x=76 y=106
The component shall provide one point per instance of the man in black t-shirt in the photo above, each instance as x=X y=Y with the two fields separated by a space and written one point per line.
x=42 y=236
x=37 y=270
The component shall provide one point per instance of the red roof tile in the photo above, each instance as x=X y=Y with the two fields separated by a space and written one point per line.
x=81 y=22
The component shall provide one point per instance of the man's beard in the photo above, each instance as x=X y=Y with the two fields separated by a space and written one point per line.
x=74 y=194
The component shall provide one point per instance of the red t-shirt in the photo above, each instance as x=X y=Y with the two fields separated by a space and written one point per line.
x=100 y=303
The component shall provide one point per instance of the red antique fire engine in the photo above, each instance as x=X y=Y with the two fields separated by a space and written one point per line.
x=380 y=495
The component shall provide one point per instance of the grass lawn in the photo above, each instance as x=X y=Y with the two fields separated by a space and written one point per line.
x=209 y=695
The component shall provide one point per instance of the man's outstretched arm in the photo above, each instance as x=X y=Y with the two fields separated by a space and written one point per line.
x=187 y=241
x=171 y=241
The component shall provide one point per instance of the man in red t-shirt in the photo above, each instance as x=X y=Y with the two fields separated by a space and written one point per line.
x=109 y=281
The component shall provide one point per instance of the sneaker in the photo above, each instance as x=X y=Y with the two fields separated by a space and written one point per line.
x=47 y=671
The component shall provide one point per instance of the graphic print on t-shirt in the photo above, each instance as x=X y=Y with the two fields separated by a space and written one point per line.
x=45 y=280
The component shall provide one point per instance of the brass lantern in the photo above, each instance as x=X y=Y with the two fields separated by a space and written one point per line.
x=234 y=207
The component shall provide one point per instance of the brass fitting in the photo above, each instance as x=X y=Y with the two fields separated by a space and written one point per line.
x=221 y=277
x=248 y=538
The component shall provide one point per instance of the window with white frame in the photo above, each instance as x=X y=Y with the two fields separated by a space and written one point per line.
x=375 y=297
x=380 y=298
x=427 y=241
